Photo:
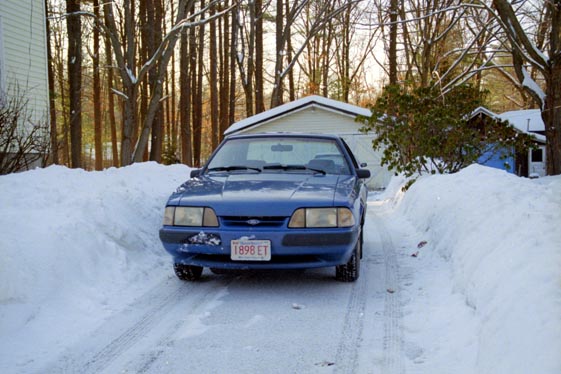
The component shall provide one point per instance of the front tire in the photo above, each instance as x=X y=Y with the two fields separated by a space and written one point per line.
x=187 y=272
x=350 y=271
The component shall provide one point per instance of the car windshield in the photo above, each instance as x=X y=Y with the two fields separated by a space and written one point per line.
x=280 y=154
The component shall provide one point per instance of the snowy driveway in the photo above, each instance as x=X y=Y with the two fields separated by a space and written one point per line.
x=453 y=277
x=265 y=322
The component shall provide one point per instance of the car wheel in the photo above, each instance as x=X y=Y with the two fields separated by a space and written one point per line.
x=188 y=272
x=351 y=270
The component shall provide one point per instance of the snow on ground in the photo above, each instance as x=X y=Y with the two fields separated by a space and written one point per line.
x=501 y=235
x=74 y=245
x=483 y=294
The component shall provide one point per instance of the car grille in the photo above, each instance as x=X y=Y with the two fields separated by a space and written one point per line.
x=241 y=221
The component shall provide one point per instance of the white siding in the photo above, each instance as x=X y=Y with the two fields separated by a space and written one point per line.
x=324 y=121
x=311 y=120
x=25 y=53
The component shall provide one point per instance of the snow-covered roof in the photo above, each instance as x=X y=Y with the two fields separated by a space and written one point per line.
x=295 y=106
x=483 y=110
x=528 y=121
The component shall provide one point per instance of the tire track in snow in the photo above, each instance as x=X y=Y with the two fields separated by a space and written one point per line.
x=124 y=329
x=145 y=363
x=346 y=359
x=393 y=334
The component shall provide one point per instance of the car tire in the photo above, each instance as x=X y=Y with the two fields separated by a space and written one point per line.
x=188 y=272
x=350 y=271
x=361 y=238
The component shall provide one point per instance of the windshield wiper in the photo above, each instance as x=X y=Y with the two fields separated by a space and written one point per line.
x=292 y=167
x=233 y=168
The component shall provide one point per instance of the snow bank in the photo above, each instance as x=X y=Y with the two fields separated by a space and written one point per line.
x=78 y=239
x=502 y=235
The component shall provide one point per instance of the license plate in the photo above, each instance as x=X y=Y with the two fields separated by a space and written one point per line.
x=250 y=250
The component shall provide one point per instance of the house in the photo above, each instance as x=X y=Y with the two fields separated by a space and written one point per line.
x=317 y=114
x=23 y=57
x=532 y=164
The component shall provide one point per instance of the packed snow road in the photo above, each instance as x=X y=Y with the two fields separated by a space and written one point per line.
x=257 y=322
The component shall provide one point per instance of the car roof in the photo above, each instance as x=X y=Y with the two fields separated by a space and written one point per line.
x=285 y=135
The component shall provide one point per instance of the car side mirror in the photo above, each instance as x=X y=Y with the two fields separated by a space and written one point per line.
x=195 y=173
x=363 y=173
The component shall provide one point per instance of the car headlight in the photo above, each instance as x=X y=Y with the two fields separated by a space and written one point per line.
x=190 y=216
x=321 y=217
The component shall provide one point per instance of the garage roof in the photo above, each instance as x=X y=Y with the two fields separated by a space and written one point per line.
x=295 y=106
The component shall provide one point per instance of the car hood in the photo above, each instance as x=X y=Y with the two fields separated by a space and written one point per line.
x=274 y=194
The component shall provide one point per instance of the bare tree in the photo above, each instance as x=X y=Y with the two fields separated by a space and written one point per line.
x=185 y=100
x=287 y=54
x=51 y=78
x=124 y=47
x=538 y=47
x=74 y=62
x=111 y=103
x=23 y=142
x=213 y=81
x=97 y=94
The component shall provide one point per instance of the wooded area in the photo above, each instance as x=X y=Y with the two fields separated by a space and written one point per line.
x=161 y=80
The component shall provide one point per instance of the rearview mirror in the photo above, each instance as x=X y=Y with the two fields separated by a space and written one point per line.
x=195 y=173
x=281 y=148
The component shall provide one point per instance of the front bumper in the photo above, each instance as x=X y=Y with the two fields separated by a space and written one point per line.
x=290 y=248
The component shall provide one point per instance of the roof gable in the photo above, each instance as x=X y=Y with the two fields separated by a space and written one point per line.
x=296 y=106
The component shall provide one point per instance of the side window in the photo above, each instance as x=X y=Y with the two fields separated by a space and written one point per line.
x=537 y=155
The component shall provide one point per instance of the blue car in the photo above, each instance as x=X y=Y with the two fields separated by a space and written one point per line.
x=270 y=201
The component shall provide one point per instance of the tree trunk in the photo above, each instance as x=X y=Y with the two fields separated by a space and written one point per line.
x=129 y=124
x=551 y=116
x=289 y=52
x=157 y=123
x=61 y=83
x=98 y=141
x=276 y=96
x=52 y=103
x=111 y=103
x=185 y=101
x=73 y=24
x=224 y=75
x=259 y=81
x=232 y=61
x=198 y=97
x=346 y=73
x=198 y=122
x=214 y=125
x=392 y=54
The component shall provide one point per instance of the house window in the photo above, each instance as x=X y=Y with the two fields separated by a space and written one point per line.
x=537 y=155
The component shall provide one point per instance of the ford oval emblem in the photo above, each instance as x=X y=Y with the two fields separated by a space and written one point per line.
x=253 y=222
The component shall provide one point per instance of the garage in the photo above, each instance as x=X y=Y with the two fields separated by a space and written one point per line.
x=317 y=114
